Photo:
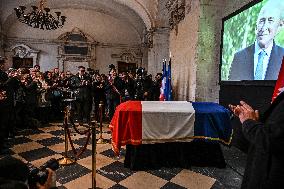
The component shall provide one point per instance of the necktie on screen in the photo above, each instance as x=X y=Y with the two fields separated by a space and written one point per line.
x=259 y=67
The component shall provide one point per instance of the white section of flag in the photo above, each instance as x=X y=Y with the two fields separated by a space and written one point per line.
x=167 y=121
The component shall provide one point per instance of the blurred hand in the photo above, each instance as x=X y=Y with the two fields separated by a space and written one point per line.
x=244 y=112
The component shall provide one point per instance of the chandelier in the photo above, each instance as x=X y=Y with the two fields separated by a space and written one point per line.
x=40 y=17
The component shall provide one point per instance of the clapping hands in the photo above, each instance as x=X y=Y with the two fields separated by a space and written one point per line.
x=3 y=95
x=244 y=111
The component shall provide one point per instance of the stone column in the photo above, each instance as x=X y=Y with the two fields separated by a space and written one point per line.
x=159 y=50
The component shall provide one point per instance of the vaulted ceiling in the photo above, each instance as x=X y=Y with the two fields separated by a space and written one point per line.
x=140 y=14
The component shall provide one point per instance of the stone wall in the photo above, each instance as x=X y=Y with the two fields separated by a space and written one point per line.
x=209 y=41
x=48 y=56
x=183 y=48
x=196 y=49
x=102 y=28
x=159 y=51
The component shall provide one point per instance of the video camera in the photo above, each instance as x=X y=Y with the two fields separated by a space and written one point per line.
x=111 y=67
x=91 y=71
x=141 y=72
x=40 y=175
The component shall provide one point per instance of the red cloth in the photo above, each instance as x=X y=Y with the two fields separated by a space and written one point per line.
x=126 y=125
x=280 y=82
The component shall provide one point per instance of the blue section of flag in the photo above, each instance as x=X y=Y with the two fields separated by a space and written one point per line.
x=213 y=121
x=169 y=82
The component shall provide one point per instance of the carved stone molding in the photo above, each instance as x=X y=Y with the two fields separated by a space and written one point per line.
x=75 y=48
x=176 y=9
x=24 y=51
x=148 y=38
x=129 y=56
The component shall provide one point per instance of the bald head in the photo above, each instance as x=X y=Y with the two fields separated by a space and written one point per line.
x=269 y=23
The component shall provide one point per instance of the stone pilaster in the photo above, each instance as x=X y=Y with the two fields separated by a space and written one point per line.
x=159 y=50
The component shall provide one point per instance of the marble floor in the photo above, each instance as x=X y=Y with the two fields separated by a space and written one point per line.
x=36 y=146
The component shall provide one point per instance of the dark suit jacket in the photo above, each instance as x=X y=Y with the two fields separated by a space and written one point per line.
x=265 y=162
x=243 y=64
x=84 y=91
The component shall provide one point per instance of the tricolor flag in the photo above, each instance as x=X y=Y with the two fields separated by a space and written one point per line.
x=152 y=121
x=143 y=122
x=279 y=87
x=163 y=86
x=166 y=86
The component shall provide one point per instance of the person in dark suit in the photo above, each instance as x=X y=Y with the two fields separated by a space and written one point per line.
x=82 y=83
x=265 y=165
x=4 y=108
x=114 y=90
x=98 y=95
x=261 y=60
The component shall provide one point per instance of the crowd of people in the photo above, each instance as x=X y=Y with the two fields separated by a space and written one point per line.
x=30 y=97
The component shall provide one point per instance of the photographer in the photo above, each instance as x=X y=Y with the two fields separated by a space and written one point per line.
x=82 y=83
x=114 y=91
x=143 y=85
x=98 y=93
x=4 y=108
x=20 y=176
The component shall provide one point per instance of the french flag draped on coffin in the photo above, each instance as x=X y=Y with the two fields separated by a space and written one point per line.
x=142 y=122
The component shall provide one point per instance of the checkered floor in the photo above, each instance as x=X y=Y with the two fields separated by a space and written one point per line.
x=39 y=145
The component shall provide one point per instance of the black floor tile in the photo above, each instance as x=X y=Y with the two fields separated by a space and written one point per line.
x=82 y=141
x=219 y=185
x=44 y=125
x=68 y=173
x=117 y=186
x=165 y=173
x=27 y=132
x=9 y=152
x=235 y=158
x=115 y=171
x=171 y=185
x=108 y=153
x=57 y=132
x=227 y=177
x=61 y=187
x=85 y=154
x=21 y=140
x=37 y=154
x=50 y=141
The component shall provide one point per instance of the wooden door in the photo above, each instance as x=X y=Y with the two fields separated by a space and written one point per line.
x=22 y=62
x=126 y=67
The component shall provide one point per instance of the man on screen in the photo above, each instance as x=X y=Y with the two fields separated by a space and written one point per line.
x=262 y=60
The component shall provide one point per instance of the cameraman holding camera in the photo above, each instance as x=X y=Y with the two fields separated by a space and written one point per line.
x=25 y=177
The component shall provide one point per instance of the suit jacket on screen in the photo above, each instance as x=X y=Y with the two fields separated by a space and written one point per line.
x=243 y=64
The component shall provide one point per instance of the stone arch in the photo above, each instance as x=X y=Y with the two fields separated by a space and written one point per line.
x=140 y=10
x=24 y=51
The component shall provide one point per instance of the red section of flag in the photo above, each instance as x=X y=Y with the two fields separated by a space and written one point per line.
x=126 y=125
x=279 y=87
x=162 y=97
